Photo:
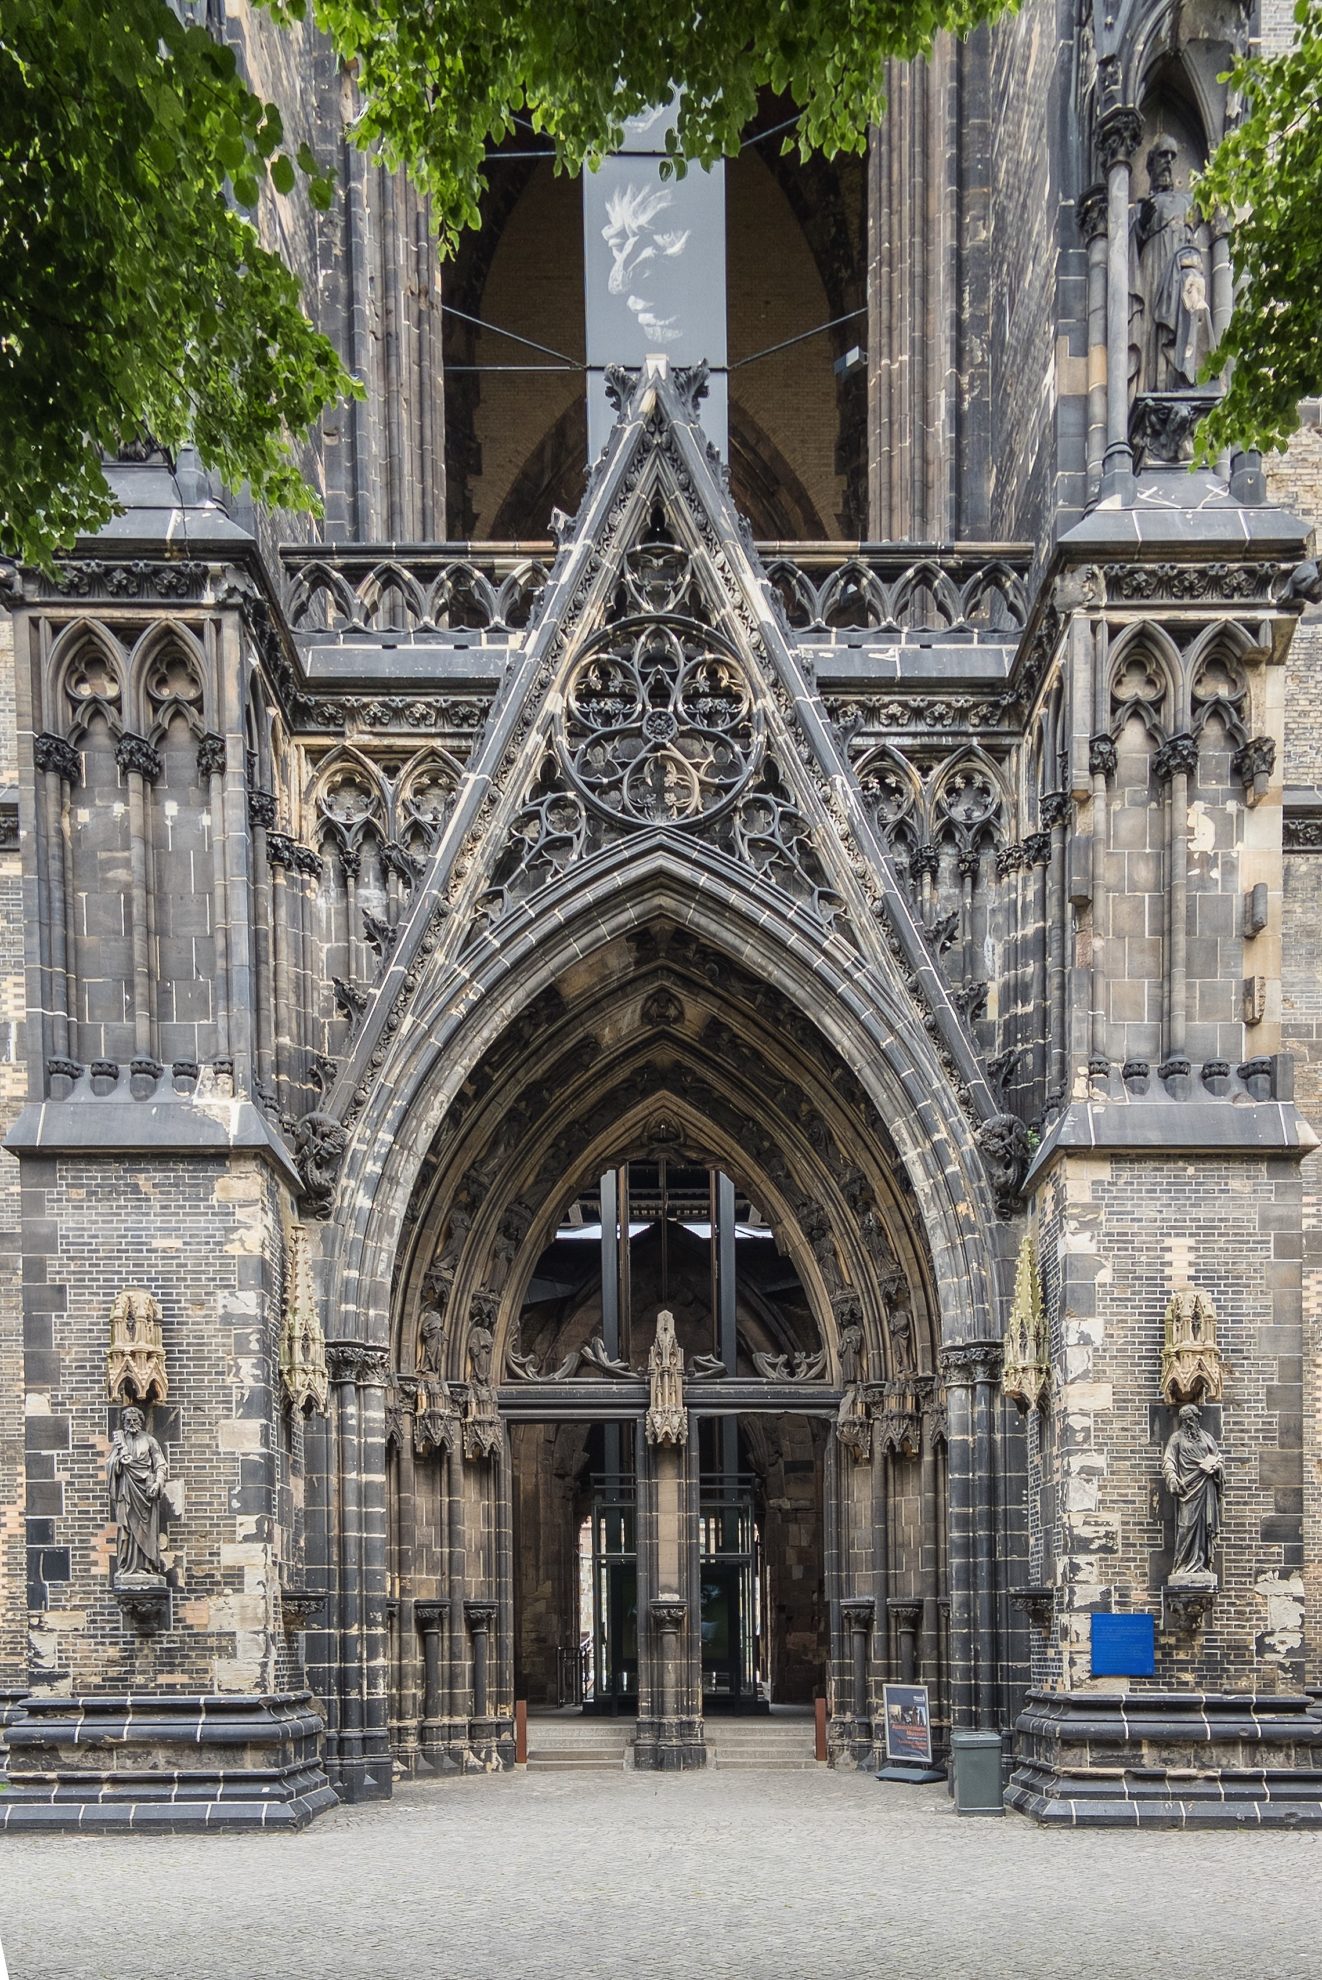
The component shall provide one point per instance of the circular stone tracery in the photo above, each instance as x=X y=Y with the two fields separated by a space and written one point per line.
x=660 y=724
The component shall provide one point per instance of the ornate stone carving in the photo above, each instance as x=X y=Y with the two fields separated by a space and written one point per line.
x=261 y=809
x=136 y=1473
x=853 y=1423
x=1118 y=135
x=89 y=578
x=1006 y=1150
x=54 y=753
x=135 y=753
x=303 y=1369
x=781 y=1368
x=667 y=1419
x=1161 y=425
x=211 y=756
x=1191 y=1367
x=660 y=724
x=1173 y=327
x=1193 y=1470
x=1253 y=763
x=1026 y=1370
x=482 y=1428
x=135 y=1364
x=847 y=1310
x=319 y=1145
x=598 y=1357
x=1102 y=756
x=897 y=1416
x=1177 y=756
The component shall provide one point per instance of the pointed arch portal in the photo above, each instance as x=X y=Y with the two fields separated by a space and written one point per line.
x=660 y=1033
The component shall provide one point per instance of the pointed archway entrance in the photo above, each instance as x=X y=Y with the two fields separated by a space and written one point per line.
x=661 y=921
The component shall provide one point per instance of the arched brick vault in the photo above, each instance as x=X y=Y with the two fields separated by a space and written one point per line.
x=931 y=1188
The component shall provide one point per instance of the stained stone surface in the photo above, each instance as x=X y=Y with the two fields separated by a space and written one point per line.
x=741 y=1878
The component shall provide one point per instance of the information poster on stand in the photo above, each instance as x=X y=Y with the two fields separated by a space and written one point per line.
x=908 y=1723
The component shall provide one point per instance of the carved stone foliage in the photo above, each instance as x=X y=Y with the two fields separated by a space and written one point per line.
x=1026 y=1370
x=303 y=1370
x=1191 y=1366
x=667 y=1419
x=135 y=1363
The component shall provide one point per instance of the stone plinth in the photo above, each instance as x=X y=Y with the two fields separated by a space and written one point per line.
x=1165 y=1759
x=186 y=1761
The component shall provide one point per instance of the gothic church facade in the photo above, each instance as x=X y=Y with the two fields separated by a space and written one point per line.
x=665 y=1068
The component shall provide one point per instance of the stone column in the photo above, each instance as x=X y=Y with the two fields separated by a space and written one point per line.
x=212 y=757
x=1174 y=763
x=668 y=1613
x=62 y=767
x=481 y=1619
x=907 y=1617
x=971 y=1371
x=1119 y=135
x=1091 y=213
x=429 y=1617
x=141 y=765
x=858 y=1612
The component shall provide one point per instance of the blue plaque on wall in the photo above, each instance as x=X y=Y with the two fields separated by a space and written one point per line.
x=1123 y=1646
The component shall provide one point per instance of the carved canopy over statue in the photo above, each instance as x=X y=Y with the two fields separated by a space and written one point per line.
x=1171 y=331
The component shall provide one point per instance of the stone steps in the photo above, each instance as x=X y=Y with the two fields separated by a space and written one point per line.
x=761 y=1744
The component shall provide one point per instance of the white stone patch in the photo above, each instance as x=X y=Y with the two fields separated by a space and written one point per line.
x=1202 y=828
x=1284 y=1597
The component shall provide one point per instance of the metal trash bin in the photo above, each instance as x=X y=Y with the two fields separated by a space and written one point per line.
x=976 y=1765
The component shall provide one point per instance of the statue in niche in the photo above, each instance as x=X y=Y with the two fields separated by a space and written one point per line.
x=431 y=1341
x=481 y=1414
x=667 y=1421
x=851 y=1353
x=1193 y=1468
x=136 y=1475
x=1174 y=335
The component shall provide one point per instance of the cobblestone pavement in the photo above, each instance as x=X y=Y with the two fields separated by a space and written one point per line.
x=747 y=1877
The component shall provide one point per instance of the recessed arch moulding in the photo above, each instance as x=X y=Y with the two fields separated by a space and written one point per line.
x=509 y=1095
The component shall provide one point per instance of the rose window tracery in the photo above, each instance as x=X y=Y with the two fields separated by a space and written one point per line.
x=660 y=724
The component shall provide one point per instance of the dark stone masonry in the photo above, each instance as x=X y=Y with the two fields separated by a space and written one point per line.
x=683 y=1085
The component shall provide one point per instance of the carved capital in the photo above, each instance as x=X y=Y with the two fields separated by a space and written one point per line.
x=261 y=808
x=1037 y=848
x=1090 y=212
x=481 y=1615
x=135 y=753
x=431 y=1614
x=1118 y=136
x=1177 y=756
x=54 y=753
x=925 y=860
x=1009 y=859
x=1055 y=808
x=668 y=1612
x=1253 y=763
x=970 y=1362
x=1102 y=756
x=354 y=1361
x=211 y=756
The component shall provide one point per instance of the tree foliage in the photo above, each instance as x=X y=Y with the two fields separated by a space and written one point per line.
x=1267 y=174
x=135 y=294
x=442 y=80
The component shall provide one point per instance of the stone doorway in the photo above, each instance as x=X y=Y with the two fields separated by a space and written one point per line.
x=752 y=1541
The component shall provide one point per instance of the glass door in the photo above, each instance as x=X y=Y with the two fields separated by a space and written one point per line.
x=730 y=1593
x=615 y=1597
